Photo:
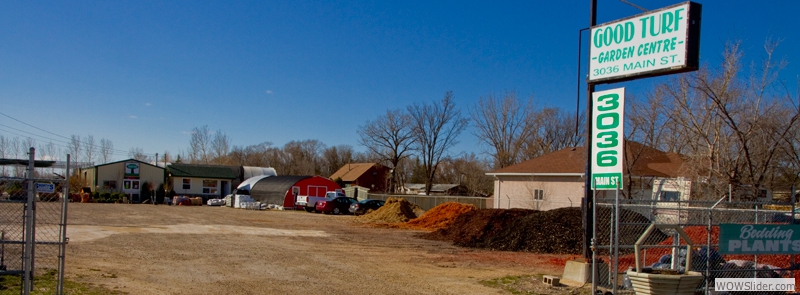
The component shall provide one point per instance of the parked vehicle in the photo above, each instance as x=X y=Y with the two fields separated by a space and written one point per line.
x=364 y=206
x=309 y=202
x=336 y=205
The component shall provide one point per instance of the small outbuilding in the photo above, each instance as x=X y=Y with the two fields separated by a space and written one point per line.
x=281 y=190
x=372 y=176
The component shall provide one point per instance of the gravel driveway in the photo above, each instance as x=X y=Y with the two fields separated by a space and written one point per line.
x=146 y=249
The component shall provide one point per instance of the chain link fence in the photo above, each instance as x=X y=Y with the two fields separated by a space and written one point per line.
x=32 y=241
x=614 y=241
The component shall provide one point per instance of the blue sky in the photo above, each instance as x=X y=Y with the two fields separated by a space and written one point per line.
x=144 y=73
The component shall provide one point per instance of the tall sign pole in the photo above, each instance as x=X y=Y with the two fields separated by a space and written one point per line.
x=588 y=198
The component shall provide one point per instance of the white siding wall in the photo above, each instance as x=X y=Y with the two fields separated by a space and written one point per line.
x=196 y=186
x=519 y=192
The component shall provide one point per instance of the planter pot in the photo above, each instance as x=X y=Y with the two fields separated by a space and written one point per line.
x=657 y=284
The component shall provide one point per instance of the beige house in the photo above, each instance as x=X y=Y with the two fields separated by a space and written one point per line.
x=126 y=176
x=557 y=180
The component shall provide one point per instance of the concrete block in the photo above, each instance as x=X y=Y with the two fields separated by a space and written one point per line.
x=579 y=272
x=550 y=280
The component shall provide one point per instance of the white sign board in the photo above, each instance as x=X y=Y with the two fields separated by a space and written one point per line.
x=45 y=188
x=608 y=138
x=655 y=43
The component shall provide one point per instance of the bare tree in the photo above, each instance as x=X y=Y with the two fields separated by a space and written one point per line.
x=18 y=151
x=200 y=145
x=554 y=129
x=736 y=129
x=5 y=147
x=468 y=171
x=47 y=152
x=435 y=127
x=90 y=148
x=335 y=157
x=28 y=143
x=389 y=137
x=252 y=155
x=220 y=146
x=504 y=124
x=138 y=154
x=74 y=146
x=106 y=149
x=302 y=157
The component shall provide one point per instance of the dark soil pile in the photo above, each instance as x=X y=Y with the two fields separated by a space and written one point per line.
x=471 y=229
x=557 y=231
x=393 y=211
x=440 y=216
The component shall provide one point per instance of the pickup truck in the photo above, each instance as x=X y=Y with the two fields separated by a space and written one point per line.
x=310 y=203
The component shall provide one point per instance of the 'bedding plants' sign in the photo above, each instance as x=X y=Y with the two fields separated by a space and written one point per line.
x=759 y=238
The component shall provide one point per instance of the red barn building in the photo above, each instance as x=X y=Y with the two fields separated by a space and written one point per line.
x=282 y=189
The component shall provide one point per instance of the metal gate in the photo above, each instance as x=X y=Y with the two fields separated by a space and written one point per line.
x=33 y=211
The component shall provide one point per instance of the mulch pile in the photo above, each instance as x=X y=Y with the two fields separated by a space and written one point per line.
x=555 y=231
x=474 y=228
x=393 y=211
x=440 y=216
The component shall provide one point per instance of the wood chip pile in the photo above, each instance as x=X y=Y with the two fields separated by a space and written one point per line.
x=393 y=211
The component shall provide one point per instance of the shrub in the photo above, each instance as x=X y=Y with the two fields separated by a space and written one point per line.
x=116 y=197
x=103 y=198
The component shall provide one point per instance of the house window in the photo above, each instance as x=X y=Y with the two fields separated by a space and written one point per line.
x=110 y=184
x=187 y=184
x=668 y=196
x=538 y=195
x=209 y=186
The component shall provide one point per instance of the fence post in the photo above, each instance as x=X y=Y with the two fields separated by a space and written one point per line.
x=62 y=249
x=27 y=276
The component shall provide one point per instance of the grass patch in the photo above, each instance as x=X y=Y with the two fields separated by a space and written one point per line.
x=47 y=283
x=509 y=284
x=531 y=285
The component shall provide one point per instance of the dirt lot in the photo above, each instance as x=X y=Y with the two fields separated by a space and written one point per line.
x=146 y=249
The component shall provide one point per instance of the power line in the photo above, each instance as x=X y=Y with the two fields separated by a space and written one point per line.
x=63 y=146
x=113 y=151
x=37 y=128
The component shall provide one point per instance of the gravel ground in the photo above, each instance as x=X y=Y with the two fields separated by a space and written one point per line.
x=146 y=249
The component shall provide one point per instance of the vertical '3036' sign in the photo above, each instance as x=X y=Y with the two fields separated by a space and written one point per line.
x=607 y=138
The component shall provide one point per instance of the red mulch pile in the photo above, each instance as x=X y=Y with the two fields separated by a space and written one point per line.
x=440 y=216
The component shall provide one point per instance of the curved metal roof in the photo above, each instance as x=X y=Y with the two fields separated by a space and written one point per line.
x=273 y=189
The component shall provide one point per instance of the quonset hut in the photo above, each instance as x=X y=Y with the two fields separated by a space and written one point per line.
x=281 y=190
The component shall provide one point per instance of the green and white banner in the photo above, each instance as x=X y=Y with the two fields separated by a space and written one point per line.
x=607 y=138
x=657 y=41
x=759 y=239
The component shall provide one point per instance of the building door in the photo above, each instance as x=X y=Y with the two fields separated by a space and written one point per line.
x=225 y=189
x=131 y=188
